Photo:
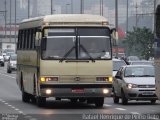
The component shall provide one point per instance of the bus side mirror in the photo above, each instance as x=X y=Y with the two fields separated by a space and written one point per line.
x=38 y=38
x=43 y=43
x=114 y=35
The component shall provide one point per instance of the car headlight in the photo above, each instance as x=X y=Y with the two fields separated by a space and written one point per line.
x=130 y=86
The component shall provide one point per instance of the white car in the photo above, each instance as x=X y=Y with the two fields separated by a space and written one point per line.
x=1 y=60
x=12 y=63
x=134 y=82
x=8 y=54
x=117 y=63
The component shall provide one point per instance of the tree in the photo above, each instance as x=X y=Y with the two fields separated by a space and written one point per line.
x=139 y=42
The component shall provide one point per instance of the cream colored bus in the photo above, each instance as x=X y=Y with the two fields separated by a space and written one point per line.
x=65 y=56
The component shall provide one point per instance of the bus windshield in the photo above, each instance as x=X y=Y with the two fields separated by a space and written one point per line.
x=78 y=43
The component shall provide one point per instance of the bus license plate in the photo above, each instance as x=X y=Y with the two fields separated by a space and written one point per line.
x=147 y=93
x=77 y=90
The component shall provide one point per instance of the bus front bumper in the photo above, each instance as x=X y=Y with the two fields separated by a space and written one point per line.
x=76 y=90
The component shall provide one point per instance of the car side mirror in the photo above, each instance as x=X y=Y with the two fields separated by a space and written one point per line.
x=119 y=77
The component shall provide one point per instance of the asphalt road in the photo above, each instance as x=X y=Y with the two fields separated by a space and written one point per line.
x=12 y=107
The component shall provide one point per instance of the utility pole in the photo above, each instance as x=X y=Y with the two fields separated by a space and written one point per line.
x=5 y=18
x=116 y=23
x=10 y=20
x=15 y=22
x=100 y=6
x=81 y=11
x=28 y=8
x=136 y=15
x=71 y=6
x=127 y=18
x=154 y=16
x=51 y=7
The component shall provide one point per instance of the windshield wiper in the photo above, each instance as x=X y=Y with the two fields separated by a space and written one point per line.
x=81 y=46
x=146 y=76
x=53 y=57
x=67 y=53
x=131 y=76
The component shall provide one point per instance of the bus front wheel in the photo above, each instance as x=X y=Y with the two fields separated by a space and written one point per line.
x=41 y=101
x=99 y=101
x=25 y=96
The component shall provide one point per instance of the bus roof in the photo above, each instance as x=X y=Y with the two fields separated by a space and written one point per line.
x=65 y=20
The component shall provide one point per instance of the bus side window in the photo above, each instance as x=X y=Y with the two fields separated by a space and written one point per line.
x=22 y=39
x=33 y=38
x=19 y=40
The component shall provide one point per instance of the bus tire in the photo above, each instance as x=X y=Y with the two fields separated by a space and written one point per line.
x=73 y=100
x=25 y=96
x=153 y=101
x=41 y=101
x=99 y=101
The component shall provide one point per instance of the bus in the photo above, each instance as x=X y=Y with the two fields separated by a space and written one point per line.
x=55 y=58
x=157 y=50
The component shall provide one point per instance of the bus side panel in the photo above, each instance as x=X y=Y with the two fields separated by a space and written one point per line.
x=27 y=67
x=157 y=77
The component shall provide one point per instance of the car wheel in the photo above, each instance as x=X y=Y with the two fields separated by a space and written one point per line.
x=2 y=64
x=99 y=101
x=115 y=98
x=9 y=70
x=153 y=101
x=124 y=99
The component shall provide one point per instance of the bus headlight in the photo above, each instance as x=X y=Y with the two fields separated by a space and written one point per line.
x=105 y=91
x=48 y=79
x=48 y=91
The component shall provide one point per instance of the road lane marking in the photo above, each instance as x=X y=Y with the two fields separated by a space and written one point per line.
x=13 y=107
x=20 y=112
x=106 y=105
x=8 y=76
x=120 y=109
x=16 y=109
x=135 y=113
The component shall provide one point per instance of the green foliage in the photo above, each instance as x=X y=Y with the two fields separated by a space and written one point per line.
x=139 y=42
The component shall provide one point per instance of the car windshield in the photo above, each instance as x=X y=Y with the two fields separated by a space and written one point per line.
x=117 y=65
x=13 y=57
x=141 y=63
x=78 y=43
x=8 y=50
x=133 y=58
x=139 y=71
x=9 y=53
